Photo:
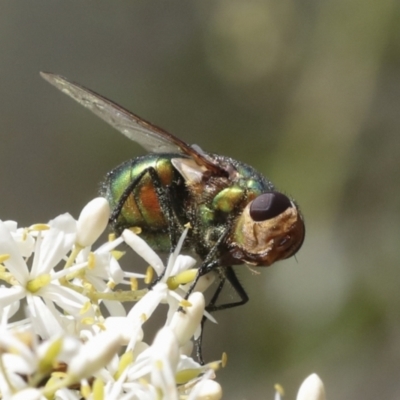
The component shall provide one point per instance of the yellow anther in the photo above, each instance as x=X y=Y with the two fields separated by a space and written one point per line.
x=143 y=317
x=137 y=230
x=85 y=390
x=87 y=321
x=88 y=286
x=134 y=283
x=143 y=381
x=36 y=284
x=49 y=359
x=182 y=278
x=149 y=275
x=125 y=360
x=53 y=382
x=4 y=257
x=186 y=375
x=91 y=260
x=111 y=237
x=101 y=326
x=39 y=227
x=215 y=365
x=86 y=307
x=224 y=360
x=98 y=389
x=172 y=283
x=59 y=375
x=188 y=225
x=185 y=303
x=111 y=284
x=117 y=254
x=278 y=388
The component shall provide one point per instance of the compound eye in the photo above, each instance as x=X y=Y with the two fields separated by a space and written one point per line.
x=269 y=205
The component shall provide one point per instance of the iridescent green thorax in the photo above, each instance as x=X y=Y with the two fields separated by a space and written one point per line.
x=218 y=202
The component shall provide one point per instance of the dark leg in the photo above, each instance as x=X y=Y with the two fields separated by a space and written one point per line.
x=199 y=340
x=237 y=286
x=209 y=263
x=232 y=278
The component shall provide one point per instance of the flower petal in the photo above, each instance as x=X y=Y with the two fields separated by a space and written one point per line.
x=10 y=295
x=15 y=263
x=95 y=354
x=144 y=250
x=57 y=242
x=182 y=263
x=65 y=298
x=44 y=322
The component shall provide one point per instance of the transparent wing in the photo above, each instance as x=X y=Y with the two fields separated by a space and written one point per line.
x=149 y=136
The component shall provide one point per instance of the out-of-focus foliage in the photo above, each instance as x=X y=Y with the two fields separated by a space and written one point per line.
x=308 y=92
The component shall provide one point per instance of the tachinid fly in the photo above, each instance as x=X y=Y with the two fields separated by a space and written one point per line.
x=235 y=213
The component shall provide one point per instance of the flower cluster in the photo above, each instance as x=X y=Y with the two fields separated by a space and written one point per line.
x=70 y=336
x=64 y=332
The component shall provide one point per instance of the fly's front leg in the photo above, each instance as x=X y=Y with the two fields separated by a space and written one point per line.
x=210 y=262
x=228 y=274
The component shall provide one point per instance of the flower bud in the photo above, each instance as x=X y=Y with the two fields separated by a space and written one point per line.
x=208 y=390
x=94 y=354
x=311 y=389
x=92 y=221
x=165 y=347
x=184 y=323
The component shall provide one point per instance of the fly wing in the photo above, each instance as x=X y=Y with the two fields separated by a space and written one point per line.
x=149 y=136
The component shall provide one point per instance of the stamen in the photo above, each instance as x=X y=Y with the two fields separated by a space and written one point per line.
x=36 y=284
x=182 y=278
x=91 y=261
x=134 y=283
x=137 y=230
x=149 y=275
x=4 y=257
x=38 y=227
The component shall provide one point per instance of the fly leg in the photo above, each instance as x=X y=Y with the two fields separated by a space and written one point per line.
x=236 y=285
x=163 y=198
x=228 y=274
x=165 y=202
x=210 y=262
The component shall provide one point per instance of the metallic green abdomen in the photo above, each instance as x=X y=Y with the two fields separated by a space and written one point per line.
x=142 y=207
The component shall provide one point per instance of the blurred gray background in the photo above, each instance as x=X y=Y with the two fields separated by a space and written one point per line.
x=306 y=91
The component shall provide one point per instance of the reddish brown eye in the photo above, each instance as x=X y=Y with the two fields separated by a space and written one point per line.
x=269 y=205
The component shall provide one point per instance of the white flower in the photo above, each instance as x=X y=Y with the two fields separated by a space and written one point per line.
x=67 y=348
x=94 y=354
x=164 y=362
x=39 y=284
